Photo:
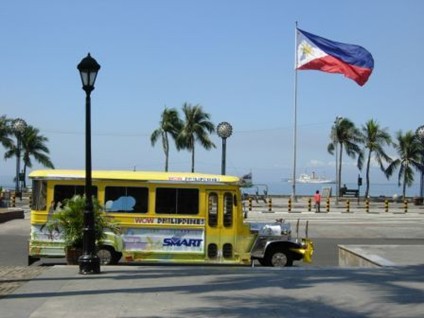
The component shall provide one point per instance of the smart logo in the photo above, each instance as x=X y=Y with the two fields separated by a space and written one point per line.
x=178 y=241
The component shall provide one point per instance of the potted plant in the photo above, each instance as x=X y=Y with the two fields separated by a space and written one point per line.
x=69 y=221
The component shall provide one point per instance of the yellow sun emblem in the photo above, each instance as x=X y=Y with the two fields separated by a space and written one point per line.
x=306 y=49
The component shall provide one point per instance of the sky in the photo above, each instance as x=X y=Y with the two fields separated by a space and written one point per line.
x=235 y=58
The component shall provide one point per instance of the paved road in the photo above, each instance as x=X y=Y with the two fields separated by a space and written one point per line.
x=200 y=291
x=327 y=230
x=13 y=242
x=225 y=291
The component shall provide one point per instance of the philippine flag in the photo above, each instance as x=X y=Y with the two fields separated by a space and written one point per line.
x=317 y=53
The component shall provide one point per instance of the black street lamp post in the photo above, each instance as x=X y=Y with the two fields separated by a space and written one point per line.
x=224 y=131
x=420 y=135
x=89 y=262
x=19 y=125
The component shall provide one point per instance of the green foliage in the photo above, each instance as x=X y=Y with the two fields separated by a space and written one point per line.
x=70 y=221
x=409 y=150
x=170 y=124
x=345 y=136
x=374 y=139
x=196 y=127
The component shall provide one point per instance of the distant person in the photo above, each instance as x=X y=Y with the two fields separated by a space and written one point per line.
x=343 y=189
x=317 y=201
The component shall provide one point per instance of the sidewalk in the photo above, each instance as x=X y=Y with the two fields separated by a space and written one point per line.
x=198 y=291
x=394 y=290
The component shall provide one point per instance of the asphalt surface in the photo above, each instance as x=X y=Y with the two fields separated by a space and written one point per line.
x=197 y=291
x=396 y=289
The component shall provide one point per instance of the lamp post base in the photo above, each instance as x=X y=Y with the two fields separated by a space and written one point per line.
x=89 y=264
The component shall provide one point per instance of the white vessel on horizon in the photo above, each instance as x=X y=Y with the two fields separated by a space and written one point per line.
x=306 y=178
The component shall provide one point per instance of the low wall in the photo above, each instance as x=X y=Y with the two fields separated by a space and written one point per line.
x=360 y=256
x=10 y=214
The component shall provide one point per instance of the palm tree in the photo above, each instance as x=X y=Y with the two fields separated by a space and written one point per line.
x=5 y=140
x=374 y=139
x=345 y=135
x=409 y=149
x=5 y=131
x=170 y=124
x=196 y=127
x=33 y=145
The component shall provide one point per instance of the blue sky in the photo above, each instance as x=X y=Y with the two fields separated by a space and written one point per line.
x=235 y=58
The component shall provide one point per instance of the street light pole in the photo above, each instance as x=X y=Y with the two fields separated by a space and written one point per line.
x=19 y=126
x=420 y=135
x=224 y=131
x=89 y=262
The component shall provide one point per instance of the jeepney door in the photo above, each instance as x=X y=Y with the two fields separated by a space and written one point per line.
x=220 y=225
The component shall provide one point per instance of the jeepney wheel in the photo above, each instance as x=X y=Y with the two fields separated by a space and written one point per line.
x=107 y=255
x=278 y=258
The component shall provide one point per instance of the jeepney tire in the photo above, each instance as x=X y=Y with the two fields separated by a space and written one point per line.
x=107 y=255
x=32 y=260
x=277 y=257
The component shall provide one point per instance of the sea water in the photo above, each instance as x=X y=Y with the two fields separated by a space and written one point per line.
x=376 y=189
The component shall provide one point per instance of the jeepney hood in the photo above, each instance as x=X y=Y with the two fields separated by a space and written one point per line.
x=270 y=229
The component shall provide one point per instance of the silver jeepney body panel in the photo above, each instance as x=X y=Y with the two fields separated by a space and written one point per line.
x=268 y=233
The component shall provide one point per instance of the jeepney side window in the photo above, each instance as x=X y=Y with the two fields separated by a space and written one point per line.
x=213 y=209
x=228 y=209
x=126 y=199
x=39 y=195
x=63 y=192
x=177 y=201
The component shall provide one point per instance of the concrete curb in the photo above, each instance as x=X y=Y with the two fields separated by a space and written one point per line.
x=11 y=214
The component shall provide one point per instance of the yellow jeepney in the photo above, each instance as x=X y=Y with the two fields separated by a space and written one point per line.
x=171 y=217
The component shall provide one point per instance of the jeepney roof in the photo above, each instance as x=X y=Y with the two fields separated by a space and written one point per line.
x=146 y=176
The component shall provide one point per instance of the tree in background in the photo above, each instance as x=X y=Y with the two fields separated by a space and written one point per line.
x=374 y=139
x=170 y=124
x=33 y=145
x=5 y=132
x=345 y=135
x=409 y=149
x=196 y=127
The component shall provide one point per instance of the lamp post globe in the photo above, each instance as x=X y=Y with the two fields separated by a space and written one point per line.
x=18 y=126
x=89 y=262
x=420 y=134
x=224 y=130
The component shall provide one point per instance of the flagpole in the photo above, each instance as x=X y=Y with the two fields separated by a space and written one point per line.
x=295 y=118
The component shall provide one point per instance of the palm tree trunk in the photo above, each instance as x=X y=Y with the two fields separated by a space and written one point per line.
x=166 y=149
x=192 y=159
x=24 y=175
x=367 y=176
x=404 y=187
x=339 y=177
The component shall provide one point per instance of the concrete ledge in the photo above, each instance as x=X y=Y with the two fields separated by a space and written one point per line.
x=11 y=214
x=380 y=255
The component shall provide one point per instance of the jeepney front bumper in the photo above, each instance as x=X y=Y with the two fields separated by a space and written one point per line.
x=305 y=250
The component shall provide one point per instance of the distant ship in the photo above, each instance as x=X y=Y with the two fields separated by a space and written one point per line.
x=306 y=178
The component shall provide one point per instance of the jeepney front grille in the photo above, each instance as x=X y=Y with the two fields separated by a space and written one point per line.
x=227 y=250
x=212 y=250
